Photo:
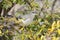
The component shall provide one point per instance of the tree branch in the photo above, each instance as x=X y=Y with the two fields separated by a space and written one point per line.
x=52 y=8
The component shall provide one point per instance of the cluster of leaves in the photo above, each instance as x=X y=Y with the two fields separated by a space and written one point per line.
x=39 y=29
x=46 y=28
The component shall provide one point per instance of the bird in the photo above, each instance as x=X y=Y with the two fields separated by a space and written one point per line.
x=27 y=18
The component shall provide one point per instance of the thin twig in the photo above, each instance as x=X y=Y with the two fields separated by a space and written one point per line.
x=52 y=8
x=54 y=2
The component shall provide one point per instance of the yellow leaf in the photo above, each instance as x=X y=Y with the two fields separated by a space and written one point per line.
x=21 y=28
x=53 y=25
x=58 y=23
x=34 y=37
x=0 y=31
x=6 y=31
x=58 y=31
x=42 y=37
x=39 y=32
x=54 y=38
x=22 y=37
x=50 y=30
x=38 y=38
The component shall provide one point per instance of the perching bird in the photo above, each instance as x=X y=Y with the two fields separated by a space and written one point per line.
x=28 y=18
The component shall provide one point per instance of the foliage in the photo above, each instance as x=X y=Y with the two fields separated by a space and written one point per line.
x=42 y=28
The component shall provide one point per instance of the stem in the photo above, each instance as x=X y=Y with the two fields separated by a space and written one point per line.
x=54 y=2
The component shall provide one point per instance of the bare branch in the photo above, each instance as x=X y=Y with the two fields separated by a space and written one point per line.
x=2 y=12
x=54 y=2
